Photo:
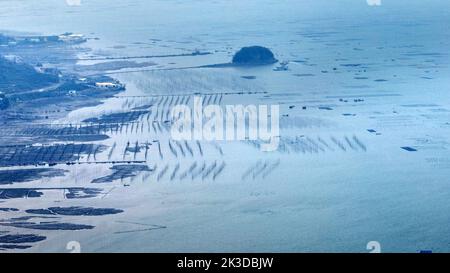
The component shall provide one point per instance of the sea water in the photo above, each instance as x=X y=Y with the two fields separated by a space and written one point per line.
x=377 y=73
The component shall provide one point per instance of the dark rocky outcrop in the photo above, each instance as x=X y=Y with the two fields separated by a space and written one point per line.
x=254 y=55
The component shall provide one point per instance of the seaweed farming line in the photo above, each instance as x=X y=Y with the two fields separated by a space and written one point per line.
x=94 y=129
x=81 y=129
x=193 y=94
x=260 y=169
x=309 y=145
x=103 y=162
x=53 y=218
x=71 y=154
x=36 y=192
x=166 y=173
x=196 y=171
x=177 y=149
x=34 y=155
x=197 y=53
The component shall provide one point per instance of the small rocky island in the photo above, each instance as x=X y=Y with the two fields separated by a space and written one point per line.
x=254 y=55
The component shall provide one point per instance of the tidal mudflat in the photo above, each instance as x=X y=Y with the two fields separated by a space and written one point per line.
x=86 y=152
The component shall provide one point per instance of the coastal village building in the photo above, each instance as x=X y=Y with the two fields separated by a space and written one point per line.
x=71 y=38
x=108 y=85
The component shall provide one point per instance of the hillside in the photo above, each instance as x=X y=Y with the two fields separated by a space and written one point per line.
x=15 y=76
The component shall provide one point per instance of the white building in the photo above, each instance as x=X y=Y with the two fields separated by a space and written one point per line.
x=108 y=85
x=70 y=37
